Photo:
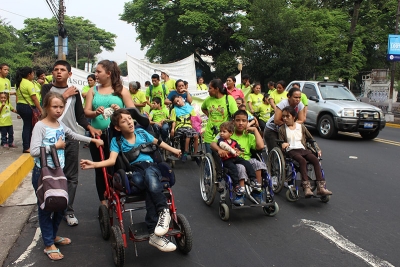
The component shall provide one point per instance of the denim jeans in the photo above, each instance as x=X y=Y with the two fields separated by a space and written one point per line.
x=270 y=138
x=164 y=131
x=25 y=111
x=48 y=224
x=208 y=147
x=7 y=135
x=149 y=180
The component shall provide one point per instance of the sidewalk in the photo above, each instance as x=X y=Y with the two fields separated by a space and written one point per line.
x=17 y=198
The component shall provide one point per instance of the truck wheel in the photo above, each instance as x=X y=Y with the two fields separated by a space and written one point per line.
x=326 y=127
x=369 y=135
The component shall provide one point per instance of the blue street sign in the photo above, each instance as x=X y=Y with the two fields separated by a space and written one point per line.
x=392 y=57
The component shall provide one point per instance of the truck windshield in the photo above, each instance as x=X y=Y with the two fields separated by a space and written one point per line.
x=336 y=92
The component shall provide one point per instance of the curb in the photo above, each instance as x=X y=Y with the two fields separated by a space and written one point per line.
x=393 y=125
x=11 y=177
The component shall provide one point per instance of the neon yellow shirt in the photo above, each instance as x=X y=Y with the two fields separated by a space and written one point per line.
x=25 y=91
x=38 y=88
x=278 y=97
x=247 y=142
x=139 y=98
x=304 y=99
x=85 y=89
x=265 y=112
x=5 y=85
x=5 y=115
x=217 y=114
x=158 y=115
x=170 y=84
x=256 y=101
x=184 y=120
x=202 y=87
x=157 y=91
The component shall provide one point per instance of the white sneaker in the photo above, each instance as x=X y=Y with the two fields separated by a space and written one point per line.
x=71 y=219
x=161 y=243
x=163 y=223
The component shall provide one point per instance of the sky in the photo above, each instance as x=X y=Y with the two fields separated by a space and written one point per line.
x=104 y=14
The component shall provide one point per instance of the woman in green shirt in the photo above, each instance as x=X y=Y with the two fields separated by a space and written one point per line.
x=218 y=107
x=26 y=102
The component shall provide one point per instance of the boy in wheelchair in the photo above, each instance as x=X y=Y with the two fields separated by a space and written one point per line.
x=146 y=175
x=158 y=119
x=182 y=125
x=230 y=156
x=249 y=140
x=294 y=136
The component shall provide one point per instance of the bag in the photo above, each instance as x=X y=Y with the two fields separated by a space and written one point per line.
x=35 y=116
x=196 y=123
x=52 y=192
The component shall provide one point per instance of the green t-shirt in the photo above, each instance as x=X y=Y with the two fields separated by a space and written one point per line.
x=158 y=115
x=5 y=85
x=247 y=142
x=85 y=89
x=304 y=99
x=139 y=98
x=256 y=101
x=25 y=91
x=5 y=115
x=182 y=121
x=217 y=114
x=271 y=91
x=265 y=112
x=278 y=97
x=170 y=84
x=243 y=87
x=157 y=91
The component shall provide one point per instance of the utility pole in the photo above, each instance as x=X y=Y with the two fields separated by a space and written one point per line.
x=396 y=31
x=60 y=28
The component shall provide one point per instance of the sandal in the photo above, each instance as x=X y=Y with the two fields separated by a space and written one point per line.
x=63 y=241
x=49 y=252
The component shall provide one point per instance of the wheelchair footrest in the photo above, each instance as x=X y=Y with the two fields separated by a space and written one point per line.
x=172 y=158
x=138 y=231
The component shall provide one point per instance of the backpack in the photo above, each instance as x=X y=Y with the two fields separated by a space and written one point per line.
x=52 y=191
x=151 y=90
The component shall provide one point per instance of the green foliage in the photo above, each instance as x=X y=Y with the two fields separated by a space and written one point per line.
x=124 y=68
x=89 y=40
x=12 y=49
x=172 y=30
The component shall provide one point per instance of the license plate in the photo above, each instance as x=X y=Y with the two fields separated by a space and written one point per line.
x=368 y=125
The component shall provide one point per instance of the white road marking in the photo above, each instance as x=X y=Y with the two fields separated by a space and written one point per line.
x=30 y=247
x=330 y=233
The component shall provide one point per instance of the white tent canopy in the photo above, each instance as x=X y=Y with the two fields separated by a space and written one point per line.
x=139 y=70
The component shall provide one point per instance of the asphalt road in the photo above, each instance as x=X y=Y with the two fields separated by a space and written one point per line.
x=358 y=227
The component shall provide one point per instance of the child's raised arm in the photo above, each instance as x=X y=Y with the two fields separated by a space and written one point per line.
x=88 y=164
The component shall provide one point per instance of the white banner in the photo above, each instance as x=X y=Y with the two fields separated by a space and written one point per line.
x=78 y=78
x=141 y=71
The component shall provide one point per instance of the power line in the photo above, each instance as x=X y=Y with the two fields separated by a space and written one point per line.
x=14 y=13
x=53 y=9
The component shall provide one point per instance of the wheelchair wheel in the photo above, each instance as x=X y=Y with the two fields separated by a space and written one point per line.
x=276 y=167
x=184 y=242
x=290 y=197
x=271 y=210
x=224 y=212
x=207 y=179
x=104 y=220
x=117 y=245
x=325 y=199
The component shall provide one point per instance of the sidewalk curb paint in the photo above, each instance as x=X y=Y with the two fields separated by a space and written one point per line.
x=11 y=177
x=393 y=125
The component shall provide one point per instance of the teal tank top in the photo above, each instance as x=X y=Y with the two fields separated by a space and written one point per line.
x=106 y=101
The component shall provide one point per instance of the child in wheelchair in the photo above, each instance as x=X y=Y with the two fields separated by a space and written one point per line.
x=159 y=119
x=294 y=136
x=182 y=125
x=249 y=140
x=145 y=174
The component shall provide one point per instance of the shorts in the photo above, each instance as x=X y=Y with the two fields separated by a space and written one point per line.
x=257 y=165
x=186 y=131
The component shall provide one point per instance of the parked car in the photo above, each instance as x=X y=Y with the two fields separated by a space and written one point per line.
x=332 y=107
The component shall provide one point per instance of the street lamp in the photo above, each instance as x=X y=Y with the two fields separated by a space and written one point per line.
x=76 y=54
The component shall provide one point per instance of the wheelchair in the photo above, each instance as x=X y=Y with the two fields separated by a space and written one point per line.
x=213 y=175
x=178 y=142
x=285 y=172
x=119 y=194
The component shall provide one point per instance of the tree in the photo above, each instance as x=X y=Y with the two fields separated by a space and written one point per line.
x=83 y=36
x=172 y=30
x=124 y=68
x=12 y=49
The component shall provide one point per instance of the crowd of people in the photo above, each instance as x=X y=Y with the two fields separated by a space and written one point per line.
x=235 y=125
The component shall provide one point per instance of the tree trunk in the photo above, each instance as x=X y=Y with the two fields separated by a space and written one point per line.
x=353 y=25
